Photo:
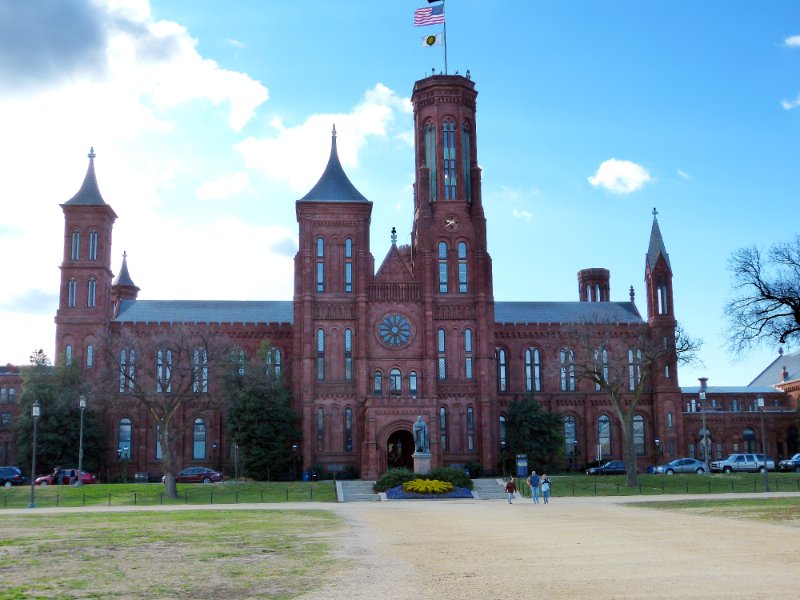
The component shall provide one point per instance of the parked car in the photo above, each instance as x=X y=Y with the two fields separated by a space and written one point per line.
x=743 y=463
x=682 y=465
x=11 y=476
x=70 y=478
x=790 y=464
x=612 y=467
x=197 y=475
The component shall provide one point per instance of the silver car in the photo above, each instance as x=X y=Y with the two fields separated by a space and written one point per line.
x=682 y=465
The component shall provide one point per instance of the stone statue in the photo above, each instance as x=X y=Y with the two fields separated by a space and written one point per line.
x=421 y=443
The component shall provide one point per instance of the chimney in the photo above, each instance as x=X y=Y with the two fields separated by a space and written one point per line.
x=594 y=285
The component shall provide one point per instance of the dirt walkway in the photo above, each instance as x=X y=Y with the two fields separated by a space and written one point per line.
x=572 y=548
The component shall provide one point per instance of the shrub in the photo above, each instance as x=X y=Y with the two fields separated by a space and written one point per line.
x=475 y=469
x=455 y=476
x=393 y=478
x=428 y=486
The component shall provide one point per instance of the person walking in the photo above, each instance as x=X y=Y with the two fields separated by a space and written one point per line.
x=511 y=489
x=533 y=481
x=546 y=486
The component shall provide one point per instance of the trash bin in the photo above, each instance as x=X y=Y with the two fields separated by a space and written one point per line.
x=141 y=478
x=305 y=476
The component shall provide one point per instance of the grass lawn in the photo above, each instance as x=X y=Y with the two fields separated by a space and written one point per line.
x=614 y=485
x=785 y=511
x=183 y=554
x=138 y=494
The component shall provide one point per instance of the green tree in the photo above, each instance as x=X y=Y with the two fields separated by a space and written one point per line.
x=535 y=432
x=260 y=419
x=58 y=390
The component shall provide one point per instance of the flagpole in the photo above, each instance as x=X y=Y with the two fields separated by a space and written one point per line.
x=444 y=36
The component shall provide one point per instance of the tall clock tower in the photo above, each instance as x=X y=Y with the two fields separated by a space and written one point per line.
x=449 y=251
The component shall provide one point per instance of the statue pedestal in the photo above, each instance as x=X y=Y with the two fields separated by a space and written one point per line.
x=422 y=462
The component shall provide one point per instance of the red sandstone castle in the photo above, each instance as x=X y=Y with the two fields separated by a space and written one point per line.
x=364 y=351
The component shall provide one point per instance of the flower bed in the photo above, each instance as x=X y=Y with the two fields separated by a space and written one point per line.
x=397 y=493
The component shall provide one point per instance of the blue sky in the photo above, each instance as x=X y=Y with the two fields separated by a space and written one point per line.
x=210 y=119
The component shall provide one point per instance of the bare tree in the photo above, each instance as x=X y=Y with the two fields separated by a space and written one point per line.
x=765 y=302
x=621 y=363
x=165 y=370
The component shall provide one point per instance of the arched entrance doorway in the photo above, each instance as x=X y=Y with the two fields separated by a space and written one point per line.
x=399 y=449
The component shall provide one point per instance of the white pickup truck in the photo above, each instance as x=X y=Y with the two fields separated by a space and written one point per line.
x=750 y=463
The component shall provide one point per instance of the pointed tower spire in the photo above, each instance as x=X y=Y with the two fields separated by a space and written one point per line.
x=334 y=186
x=123 y=287
x=124 y=278
x=656 y=247
x=89 y=194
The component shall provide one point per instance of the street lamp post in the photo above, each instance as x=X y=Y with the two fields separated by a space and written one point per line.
x=658 y=451
x=236 y=463
x=702 y=402
x=36 y=411
x=760 y=402
x=79 y=479
x=294 y=458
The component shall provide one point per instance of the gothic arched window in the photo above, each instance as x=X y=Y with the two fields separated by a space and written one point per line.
x=462 y=267
x=443 y=287
x=199 y=439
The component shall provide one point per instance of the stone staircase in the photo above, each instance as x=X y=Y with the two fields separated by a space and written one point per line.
x=489 y=489
x=356 y=490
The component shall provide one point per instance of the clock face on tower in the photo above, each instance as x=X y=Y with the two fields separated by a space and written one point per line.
x=394 y=330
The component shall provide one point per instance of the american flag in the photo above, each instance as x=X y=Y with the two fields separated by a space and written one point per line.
x=430 y=15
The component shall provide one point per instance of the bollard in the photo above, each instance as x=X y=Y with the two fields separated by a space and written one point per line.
x=211 y=499
x=187 y=496
x=109 y=498
x=262 y=495
x=134 y=498
x=237 y=496
x=287 y=493
x=84 y=498
x=56 y=500
x=161 y=497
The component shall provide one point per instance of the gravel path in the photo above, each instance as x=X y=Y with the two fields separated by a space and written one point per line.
x=571 y=548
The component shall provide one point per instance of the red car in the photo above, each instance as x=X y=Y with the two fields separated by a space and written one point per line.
x=70 y=478
x=198 y=475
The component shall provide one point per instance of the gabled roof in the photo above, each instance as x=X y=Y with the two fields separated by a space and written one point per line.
x=773 y=374
x=89 y=194
x=566 y=312
x=394 y=268
x=205 y=311
x=334 y=186
x=124 y=279
x=656 y=247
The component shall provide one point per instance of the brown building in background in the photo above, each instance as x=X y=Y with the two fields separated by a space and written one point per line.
x=365 y=350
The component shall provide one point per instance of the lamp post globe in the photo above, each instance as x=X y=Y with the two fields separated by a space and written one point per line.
x=36 y=412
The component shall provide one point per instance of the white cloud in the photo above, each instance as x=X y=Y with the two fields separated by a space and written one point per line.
x=683 y=174
x=224 y=187
x=522 y=214
x=236 y=43
x=620 y=176
x=790 y=104
x=296 y=156
x=117 y=79
x=792 y=41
